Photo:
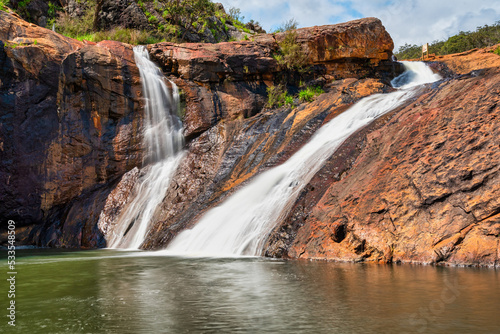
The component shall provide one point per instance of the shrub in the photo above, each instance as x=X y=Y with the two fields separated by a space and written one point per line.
x=289 y=102
x=235 y=14
x=277 y=96
x=75 y=27
x=497 y=51
x=308 y=94
x=3 y=4
x=289 y=25
x=291 y=56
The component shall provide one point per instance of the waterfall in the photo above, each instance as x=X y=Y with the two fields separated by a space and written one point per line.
x=163 y=141
x=241 y=224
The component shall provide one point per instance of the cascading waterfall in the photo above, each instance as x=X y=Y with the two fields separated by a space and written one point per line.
x=163 y=141
x=241 y=224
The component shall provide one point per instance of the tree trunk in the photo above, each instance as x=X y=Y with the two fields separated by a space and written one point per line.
x=98 y=7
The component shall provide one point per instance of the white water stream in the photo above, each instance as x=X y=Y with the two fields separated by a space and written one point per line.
x=241 y=224
x=163 y=141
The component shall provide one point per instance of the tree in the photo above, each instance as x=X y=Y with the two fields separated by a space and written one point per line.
x=185 y=12
x=98 y=8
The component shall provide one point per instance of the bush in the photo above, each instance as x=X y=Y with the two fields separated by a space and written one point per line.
x=308 y=94
x=289 y=25
x=291 y=56
x=497 y=51
x=75 y=27
x=277 y=96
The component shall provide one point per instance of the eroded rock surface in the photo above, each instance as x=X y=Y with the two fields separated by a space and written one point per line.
x=424 y=188
x=71 y=117
x=229 y=80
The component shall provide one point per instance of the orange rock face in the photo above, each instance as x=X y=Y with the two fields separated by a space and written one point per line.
x=472 y=60
x=70 y=116
x=229 y=80
x=226 y=157
x=424 y=188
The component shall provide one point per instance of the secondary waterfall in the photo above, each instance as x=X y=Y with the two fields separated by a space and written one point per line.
x=163 y=141
x=241 y=224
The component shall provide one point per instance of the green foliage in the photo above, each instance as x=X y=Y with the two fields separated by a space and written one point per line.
x=130 y=36
x=170 y=19
x=308 y=94
x=53 y=9
x=23 y=4
x=289 y=102
x=291 y=56
x=3 y=4
x=277 y=97
x=497 y=51
x=185 y=12
x=152 y=19
x=20 y=8
x=484 y=36
x=76 y=27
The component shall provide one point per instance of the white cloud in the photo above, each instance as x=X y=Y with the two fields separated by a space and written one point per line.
x=408 y=21
x=271 y=13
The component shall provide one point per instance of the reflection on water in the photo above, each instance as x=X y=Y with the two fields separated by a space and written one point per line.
x=123 y=292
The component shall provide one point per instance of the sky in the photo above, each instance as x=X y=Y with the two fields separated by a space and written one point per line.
x=407 y=21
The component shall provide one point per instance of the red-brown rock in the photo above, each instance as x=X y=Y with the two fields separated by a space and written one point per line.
x=70 y=116
x=229 y=80
x=425 y=188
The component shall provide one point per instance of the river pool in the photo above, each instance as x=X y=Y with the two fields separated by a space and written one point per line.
x=107 y=291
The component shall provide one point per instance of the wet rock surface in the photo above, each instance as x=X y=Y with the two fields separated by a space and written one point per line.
x=226 y=157
x=423 y=189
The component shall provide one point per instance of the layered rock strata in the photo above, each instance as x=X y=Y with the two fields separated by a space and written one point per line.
x=71 y=118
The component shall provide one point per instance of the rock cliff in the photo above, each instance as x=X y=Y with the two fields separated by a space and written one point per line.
x=419 y=185
x=424 y=183
x=70 y=124
x=72 y=118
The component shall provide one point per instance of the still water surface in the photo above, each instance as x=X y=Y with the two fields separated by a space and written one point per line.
x=109 y=291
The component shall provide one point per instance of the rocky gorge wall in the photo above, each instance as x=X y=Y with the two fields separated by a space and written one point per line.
x=418 y=185
x=71 y=118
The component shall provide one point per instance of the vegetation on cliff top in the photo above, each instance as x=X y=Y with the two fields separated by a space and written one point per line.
x=292 y=61
x=484 y=36
x=137 y=21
